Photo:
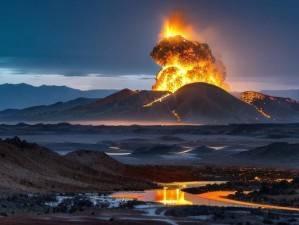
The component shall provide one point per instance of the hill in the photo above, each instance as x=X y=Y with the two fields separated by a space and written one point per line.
x=29 y=168
x=276 y=108
x=279 y=152
x=208 y=104
x=43 y=111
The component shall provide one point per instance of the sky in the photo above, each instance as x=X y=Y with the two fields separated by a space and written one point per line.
x=104 y=44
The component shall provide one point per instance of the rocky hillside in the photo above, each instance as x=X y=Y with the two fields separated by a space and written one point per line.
x=274 y=152
x=27 y=167
x=277 y=109
x=208 y=104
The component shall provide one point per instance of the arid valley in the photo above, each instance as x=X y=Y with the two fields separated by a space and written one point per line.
x=138 y=112
x=145 y=173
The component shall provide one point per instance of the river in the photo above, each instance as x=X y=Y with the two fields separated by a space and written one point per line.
x=172 y=194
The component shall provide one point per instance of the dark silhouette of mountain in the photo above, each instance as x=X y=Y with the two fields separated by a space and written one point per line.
x=292 y=93
x=116 y=97
x=29 y=168
x=276 y=108
x=193 y=103
x=37 y=111
x=124 y=105
x=206 y=103
x=275 y=152
x=19 y=96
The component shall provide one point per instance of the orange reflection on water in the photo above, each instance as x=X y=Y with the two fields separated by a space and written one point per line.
x=165 y=196
x=171 y=197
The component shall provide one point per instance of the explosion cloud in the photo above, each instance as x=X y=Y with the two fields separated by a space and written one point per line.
x=184 y=61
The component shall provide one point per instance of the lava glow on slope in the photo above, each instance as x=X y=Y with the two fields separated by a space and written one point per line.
x=184 y=60
x=250 y=96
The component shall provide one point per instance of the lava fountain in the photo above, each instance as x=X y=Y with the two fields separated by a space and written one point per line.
x=183 y=59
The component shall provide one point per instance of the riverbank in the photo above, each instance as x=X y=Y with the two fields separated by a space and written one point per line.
x=222 y=196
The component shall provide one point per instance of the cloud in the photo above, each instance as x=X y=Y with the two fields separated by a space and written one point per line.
x=91 y=81
x=10 y=71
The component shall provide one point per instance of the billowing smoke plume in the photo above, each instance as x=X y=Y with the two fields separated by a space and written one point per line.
x=185 y=61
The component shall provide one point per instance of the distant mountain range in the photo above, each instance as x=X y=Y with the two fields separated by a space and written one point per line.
x=194 y=103
x=31 y=113
x=197 y=103
x=19 y=96
x=277 y=151
x=280 y=154
x=292 y=93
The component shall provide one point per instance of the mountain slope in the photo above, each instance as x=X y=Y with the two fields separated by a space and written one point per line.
x=125 y=105
x=43 y=111
x=206 y=103
x=278 y=152
x=276 y=108
x=18 y=96
x=193 y=103
x=27 y=167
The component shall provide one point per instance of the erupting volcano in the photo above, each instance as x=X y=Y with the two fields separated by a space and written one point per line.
x=184 y=61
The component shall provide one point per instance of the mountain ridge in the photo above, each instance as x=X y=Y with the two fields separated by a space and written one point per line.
x=275 y=108
x=30 y=168
x=20 y=96
x=199 y=103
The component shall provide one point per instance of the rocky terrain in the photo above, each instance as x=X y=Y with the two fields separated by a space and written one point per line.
x=263 y=145
x=30 y=168
x=39 y=186
x=278 y=151
x=277 y=109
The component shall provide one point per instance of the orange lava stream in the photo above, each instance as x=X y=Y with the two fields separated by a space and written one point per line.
x=156 y=100
x=250 y=96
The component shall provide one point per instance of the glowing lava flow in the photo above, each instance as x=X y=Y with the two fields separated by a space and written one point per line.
x=174 y=112
x=176 y=115
x=184 y=61
x=250 y=96
x=156 y=100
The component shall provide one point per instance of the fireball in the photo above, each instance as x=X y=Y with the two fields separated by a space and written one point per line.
x=184 y=61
